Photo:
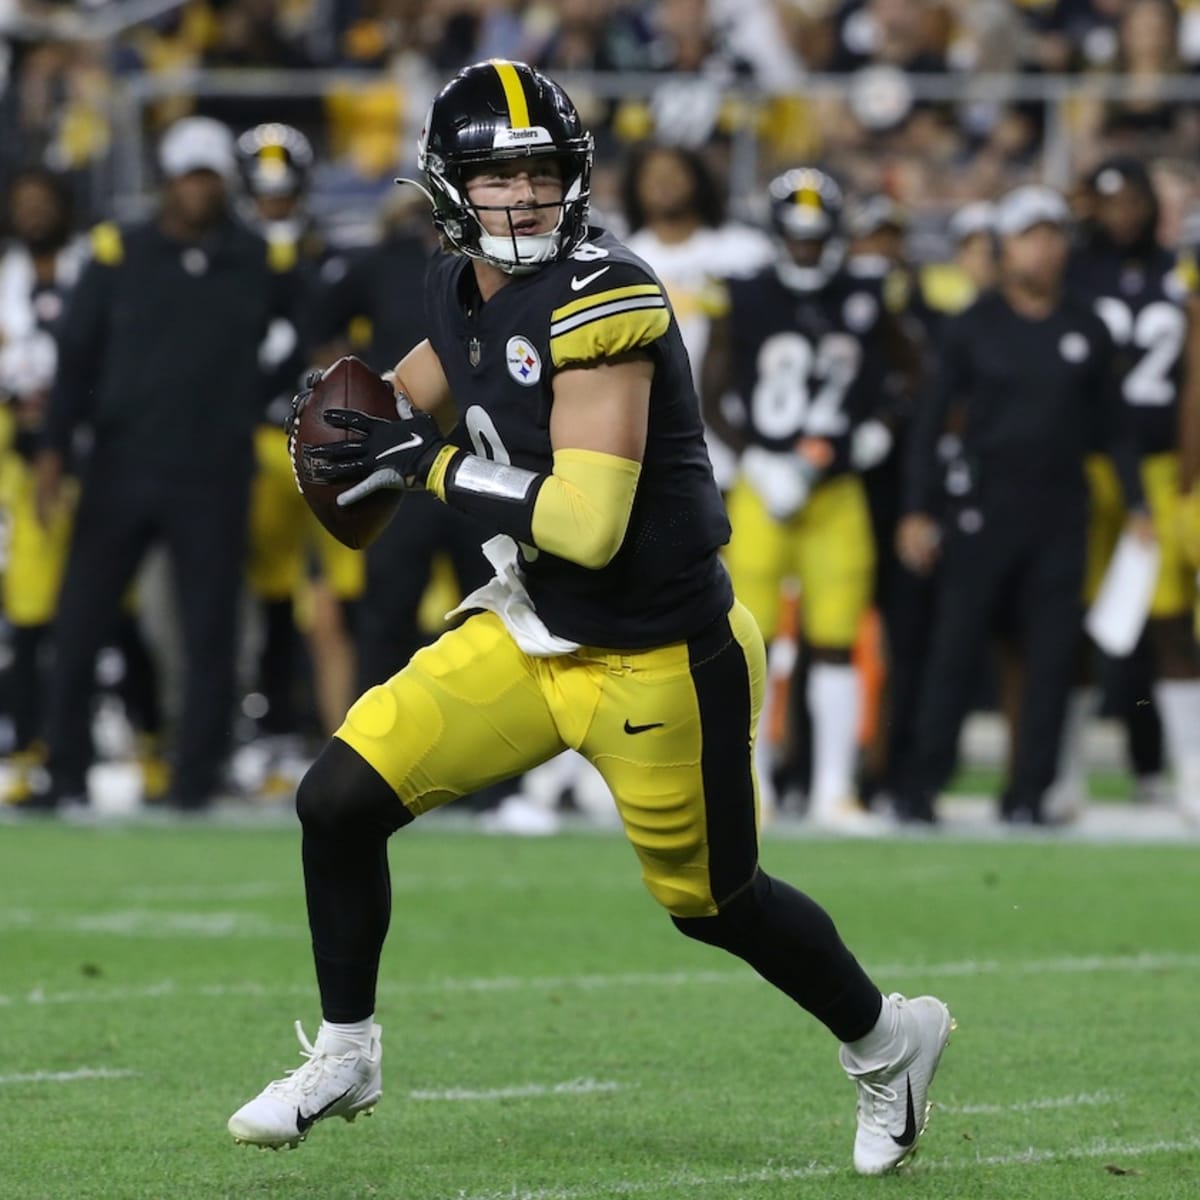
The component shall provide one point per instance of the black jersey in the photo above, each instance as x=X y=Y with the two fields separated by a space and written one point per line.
x=1141 y=300
x=666 y=582
x=805 y=365
x=1037 y=396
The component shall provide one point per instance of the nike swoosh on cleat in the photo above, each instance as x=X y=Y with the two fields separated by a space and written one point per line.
x=578 y=284
x=640 y=728
x=414 y=440
x=909 y=1134
x=305 y=1123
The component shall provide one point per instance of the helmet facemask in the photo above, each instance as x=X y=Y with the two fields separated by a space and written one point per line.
x=459 y=221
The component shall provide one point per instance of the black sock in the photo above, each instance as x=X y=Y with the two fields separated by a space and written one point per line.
x=791 y=941
x=349 y=895
x=348 y=811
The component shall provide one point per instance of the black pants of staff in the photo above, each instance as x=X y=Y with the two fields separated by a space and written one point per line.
x=1019 y=565
x=121 y=514
x=398 y=569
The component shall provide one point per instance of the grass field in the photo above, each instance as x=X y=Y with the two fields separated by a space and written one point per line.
x=548 y=1035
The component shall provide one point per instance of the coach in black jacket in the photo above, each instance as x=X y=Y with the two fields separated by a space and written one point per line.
x=158 y=355
x=1032 y=367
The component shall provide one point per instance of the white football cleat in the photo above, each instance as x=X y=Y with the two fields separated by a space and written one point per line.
x=893 y=1104
x=327 y=1085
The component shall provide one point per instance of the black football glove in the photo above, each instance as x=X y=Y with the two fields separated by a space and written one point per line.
x=308 y=381
x=390 y=454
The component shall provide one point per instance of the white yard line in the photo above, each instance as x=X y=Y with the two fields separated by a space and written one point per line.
x=149 y=923
x=1043 y=1104
x=681 y=1184
x=68 y=1076
x=1092 y=964
x=522 y=1091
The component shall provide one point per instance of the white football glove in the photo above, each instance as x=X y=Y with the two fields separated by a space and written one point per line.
x=783 y=480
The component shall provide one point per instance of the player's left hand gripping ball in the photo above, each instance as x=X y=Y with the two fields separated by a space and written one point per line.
x=389 y=454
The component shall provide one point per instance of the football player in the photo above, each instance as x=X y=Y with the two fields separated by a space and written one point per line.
x=610 y=627
x=1153 y=315
x=39 y=268
x=275 y=162
x=801 y=351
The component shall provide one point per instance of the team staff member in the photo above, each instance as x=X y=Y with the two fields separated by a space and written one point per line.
x=1033 y=368
x=615 y=633
x=158 y=353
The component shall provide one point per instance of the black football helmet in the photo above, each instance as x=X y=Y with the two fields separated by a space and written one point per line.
x=499 y=111
x=806 y=206
x=275 y=160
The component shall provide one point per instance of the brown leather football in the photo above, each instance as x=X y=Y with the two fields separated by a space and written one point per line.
x=349 y=383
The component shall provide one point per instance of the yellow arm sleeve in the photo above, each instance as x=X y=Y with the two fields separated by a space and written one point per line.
x=582 y=509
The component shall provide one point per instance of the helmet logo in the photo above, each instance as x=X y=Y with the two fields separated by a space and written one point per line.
x=524 y=365
x=531 y=135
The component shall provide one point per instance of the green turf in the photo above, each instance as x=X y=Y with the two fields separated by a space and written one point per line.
x=990 y=781
x=181 y=955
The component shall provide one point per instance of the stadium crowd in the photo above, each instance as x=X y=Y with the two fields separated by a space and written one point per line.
x=939 y=394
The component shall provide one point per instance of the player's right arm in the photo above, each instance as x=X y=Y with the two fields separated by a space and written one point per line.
x=419 y=377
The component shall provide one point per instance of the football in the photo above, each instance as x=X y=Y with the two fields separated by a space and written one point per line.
x=349 y=383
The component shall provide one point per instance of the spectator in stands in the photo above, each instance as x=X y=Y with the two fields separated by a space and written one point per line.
x=595 y=35
x=909 y=34
x=1148 y=56
x=676 y=219
x=159 y=355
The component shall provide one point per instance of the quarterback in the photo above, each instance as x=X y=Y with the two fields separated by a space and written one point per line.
x=553 y=402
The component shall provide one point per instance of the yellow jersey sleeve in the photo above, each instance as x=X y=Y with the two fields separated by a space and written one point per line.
x=607 y=323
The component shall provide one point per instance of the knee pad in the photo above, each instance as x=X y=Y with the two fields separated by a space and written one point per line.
x=342 y=793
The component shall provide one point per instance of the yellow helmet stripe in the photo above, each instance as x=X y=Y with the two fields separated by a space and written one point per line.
x=514 y=93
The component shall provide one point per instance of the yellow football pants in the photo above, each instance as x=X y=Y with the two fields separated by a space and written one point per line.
x=670 y=730
x=827 y=547
x=283 y=531
x=37 y=556
x=1175 y=589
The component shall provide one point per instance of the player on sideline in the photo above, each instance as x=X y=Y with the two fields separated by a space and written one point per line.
x=615 y=632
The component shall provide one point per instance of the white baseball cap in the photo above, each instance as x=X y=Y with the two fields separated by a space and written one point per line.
x=978 y=217
x=198 y=144
x=1031 y=205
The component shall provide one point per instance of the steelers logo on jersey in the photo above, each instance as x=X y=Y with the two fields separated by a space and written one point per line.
x=860 y=311
x=524 y=365
x=1074 y=347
